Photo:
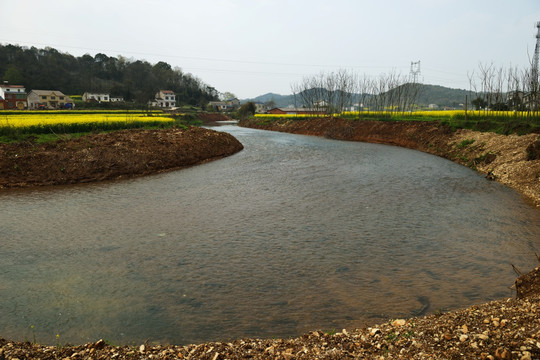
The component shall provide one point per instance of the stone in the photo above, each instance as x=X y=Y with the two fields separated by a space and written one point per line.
x=463 y=338
x=398 y=322
x=502 y=353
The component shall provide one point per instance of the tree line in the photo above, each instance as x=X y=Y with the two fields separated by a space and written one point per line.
x=134 y=80
x=491 y=89
x=504 y=89
x=335 y=92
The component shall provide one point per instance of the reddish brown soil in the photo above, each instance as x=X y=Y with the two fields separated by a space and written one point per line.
x=120 y=154
x=212 y=117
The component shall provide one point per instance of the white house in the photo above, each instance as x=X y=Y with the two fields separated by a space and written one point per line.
x=116 y=99
x=98 y=97
x=164 y=99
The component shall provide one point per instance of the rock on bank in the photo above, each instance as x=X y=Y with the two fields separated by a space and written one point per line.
x=505 y=158
x=120 y=154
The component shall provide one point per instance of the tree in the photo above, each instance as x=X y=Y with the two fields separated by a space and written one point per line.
x=270 y=104
x=248 y=109
x=227 y=96
x=479 y=103
x=13 y=75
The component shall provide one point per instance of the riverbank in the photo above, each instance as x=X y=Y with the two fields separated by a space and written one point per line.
x=503 y=329
x=109 y=156
x=504 y=158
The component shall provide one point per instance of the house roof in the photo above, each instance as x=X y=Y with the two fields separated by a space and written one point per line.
x=11 y=86
x=47 y=92
x=95 y=93
x=167 y=91
x=286 y=109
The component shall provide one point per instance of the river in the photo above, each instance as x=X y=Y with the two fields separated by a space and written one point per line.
x=292 y=234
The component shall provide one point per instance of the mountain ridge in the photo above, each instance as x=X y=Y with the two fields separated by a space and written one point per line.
x=429 y=94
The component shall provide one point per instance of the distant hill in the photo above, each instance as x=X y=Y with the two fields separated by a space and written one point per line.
x=134 y=80
x=443 y=96
x=429 y=94
x=279 y=100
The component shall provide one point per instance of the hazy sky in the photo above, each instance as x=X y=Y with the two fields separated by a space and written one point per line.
x=252 y=47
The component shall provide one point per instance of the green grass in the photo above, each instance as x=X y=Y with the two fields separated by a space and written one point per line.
x=465 y=143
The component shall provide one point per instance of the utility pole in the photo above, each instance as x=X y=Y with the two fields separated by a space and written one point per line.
x=415 y=71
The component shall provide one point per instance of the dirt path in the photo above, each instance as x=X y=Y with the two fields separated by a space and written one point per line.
x=499 y=157
x=120 y=154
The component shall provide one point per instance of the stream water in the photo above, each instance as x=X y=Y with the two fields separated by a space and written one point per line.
x=292 y=234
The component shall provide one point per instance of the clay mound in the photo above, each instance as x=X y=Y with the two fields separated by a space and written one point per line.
x=120 y=154
x=212 y=117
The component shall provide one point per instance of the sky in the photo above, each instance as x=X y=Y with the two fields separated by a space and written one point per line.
x=254 y=47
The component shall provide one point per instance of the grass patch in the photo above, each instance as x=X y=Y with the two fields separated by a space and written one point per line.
x=465 y=143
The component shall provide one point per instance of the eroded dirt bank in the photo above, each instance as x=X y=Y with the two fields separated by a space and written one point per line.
x=120 y=154
x=503 y=158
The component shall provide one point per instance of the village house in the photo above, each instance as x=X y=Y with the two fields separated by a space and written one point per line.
x=295 y=111
x=260 y=108
x=227 y=105
x=14 y=96
x=114 y=99
x=164 y=99
x=97 y=97
x=49 y=99
x=219 y=105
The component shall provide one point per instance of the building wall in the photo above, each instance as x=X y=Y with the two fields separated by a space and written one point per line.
x=96 y=97
x=14 y=97
x=51 y=100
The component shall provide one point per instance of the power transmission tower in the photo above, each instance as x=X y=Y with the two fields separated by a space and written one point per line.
x=415 y=71
x=534 y=69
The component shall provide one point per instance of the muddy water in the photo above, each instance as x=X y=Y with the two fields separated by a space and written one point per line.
x=292 y=234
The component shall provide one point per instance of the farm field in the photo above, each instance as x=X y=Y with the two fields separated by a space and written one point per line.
x=503 y=122
x=14 y=124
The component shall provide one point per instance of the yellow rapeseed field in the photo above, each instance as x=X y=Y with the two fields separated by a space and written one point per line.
x=33 y=119
x=439 y=114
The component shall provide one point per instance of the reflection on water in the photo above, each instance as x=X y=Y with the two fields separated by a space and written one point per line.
x=292 y=234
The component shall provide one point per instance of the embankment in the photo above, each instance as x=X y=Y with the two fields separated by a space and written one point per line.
x=509 y=159
x=107 y=156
